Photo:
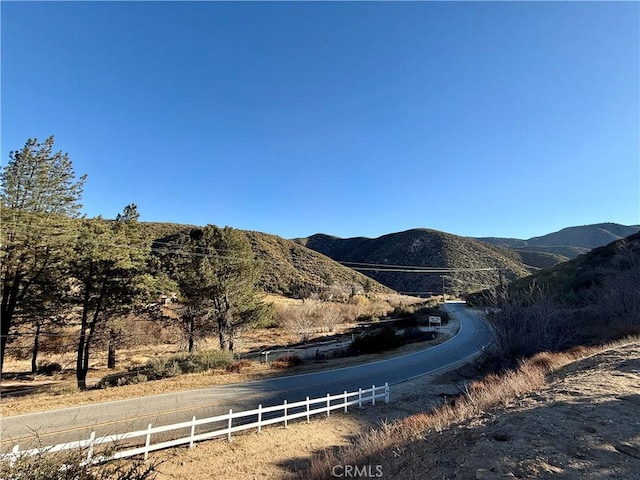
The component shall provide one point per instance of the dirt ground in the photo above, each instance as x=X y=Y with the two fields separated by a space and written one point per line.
x=585 y=424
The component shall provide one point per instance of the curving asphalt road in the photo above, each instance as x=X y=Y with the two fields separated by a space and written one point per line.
x=120 y=416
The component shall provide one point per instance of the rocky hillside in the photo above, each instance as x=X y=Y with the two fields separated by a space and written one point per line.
x=290 y=269
x=424 y=248
x=569 y=242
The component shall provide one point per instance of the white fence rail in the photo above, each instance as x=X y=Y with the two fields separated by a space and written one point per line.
x=124 y=445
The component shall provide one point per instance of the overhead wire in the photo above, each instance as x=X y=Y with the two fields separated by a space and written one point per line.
x=168 y=248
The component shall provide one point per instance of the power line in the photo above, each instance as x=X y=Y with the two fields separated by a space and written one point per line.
x=168 y=248
x=425 y=270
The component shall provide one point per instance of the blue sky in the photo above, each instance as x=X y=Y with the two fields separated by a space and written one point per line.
x=352 y=119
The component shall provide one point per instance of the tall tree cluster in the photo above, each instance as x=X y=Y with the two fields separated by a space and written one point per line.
x=61 y=269
x=217 y=275
x=39 y=201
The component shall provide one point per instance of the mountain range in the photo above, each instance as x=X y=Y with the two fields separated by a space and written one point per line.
x=569 y=242
x=478 y=263
x=331 y=265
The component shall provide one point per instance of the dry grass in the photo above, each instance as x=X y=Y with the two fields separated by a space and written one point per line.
x=240 y=365
x=288 y=361
x=480 y=396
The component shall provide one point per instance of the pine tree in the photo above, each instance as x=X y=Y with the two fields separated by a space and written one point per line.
x=108 y=268
x=40 y=197
x=217 y=277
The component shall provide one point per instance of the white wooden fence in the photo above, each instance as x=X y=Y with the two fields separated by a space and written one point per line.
x=122 y=446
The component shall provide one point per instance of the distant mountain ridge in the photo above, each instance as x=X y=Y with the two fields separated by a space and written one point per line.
x=427 y=248
x=571 y=241
x=302 y=266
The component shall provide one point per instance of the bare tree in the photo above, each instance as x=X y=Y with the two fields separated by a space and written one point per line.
x=616 y=302
x=330 y=316
x=529 y=322
x=302 y=319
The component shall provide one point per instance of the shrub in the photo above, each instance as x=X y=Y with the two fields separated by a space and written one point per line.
x=131 y=380
x=383 y=339
x=189 y=363
x=403 y=311
x=173 y=369
x=69 y=465
x=287 y=361
x=48 y=368
x=177 y=364
x=239 y=366
x=407 y=322
x=416 y=335
x=210 y=359
x=331 y=354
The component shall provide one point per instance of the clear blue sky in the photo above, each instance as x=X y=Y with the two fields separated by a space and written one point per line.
x=352 y=119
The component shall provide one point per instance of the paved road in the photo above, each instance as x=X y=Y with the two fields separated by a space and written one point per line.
x=126 y=415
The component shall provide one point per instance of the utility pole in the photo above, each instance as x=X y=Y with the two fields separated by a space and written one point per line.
x=442 y=288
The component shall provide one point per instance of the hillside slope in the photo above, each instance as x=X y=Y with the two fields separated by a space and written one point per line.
x=576 y=279
x=293 y=270
x=586 y=236
x=290 y=269
x=424 y=248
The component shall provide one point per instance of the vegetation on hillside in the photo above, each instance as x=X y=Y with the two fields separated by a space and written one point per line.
x=589 y=299
x=287 y=268
x=430 y=444
x=540 y=259
x=425 y=248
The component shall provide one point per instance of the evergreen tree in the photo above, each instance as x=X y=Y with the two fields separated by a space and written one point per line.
x=40 y=196
x=217 y=276
x=44 y=308
x=108 y=267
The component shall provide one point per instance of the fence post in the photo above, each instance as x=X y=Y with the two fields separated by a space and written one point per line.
x=373 y=395
x=259 y=418
x=307 y=409
x=386 y=392
x=328 y=405
x=92 y=438
x=346 y=397
x=285 y=414
x=193 y=431
x=147 y=442
x=360 y=398
x=229 y=428
x=14 y=454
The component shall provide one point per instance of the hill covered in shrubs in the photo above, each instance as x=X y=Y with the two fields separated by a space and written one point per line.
x=424 y=248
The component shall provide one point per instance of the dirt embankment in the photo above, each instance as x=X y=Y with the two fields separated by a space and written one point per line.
x=584 y=423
